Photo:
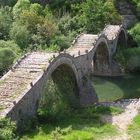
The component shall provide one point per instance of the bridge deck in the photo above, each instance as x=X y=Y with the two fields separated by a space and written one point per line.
x=16 y=81
x=83 y=43
x=29 y=69
x=111 y=31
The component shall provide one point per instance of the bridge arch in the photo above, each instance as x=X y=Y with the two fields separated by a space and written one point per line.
x=120 y=46
x=63 y=80
x=121 y=40
x=101 y=56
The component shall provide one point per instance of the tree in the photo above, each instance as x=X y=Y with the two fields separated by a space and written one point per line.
x=135 y=34
x=8 y=2
x=31 y=19
x=20 y=34
x=37 y=8
x=7 y=56
x=20 y=6
x=95 y=14
x=47 y=30
x=5 y=22
x=138 y=9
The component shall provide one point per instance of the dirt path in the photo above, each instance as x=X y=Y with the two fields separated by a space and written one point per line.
x=122 y=120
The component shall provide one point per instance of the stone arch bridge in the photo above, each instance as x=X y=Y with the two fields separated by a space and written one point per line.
x=21 y=88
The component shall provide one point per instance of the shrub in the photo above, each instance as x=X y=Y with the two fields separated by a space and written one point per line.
x=7 y=129
x=8 y=2
x=20 y=34
x=7 y=57
x=138 y=9
x=101 y=14
x=61 y=41
x=135 y=34
x=5 y=22
x=68 y=24
x=11 y=45
x=133 y=59
x=20 y=6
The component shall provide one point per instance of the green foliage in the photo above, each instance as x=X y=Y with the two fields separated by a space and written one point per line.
x=58 y=132
x=31 y=19
x=56 y=101
x=47 y=30
x=138 y=9
x=119 y=57
x=20 y=6
x=7 y=129
x=9 y=51
x=7 y=57
x=20 y=34
x=37 y=8
x=11 y=45
x=101 y=15
x=134 y=128
x=68 y=24
x=28 y=124
x=5 y=22
x=132 y=57
x=8 y=2
x=135 y=34
x=136 y=5
x=83 y=124
x=55 y=24
x=61 y=41
x=61 y=7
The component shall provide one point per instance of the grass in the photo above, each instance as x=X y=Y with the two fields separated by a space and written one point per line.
x=134 y=128
x=112 y=89
x=79 y=124
x=85 y=124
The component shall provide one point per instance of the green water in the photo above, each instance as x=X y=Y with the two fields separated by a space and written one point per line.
x=111 y=89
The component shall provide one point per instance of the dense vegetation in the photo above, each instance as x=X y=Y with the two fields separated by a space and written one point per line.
x=136 y=4
x=75 y=124
x=51 y=25
x=7 y=129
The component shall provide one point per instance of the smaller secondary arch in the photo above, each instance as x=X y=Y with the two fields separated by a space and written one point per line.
x=101 y=57
x=120 y=46
x=121 y=40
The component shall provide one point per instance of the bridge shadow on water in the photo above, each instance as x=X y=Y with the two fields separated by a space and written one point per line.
x=115 y=88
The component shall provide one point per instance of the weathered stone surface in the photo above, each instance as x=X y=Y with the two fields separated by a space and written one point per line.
x=21 y=88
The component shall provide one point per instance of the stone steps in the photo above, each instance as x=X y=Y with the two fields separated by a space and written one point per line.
x=25 y=72
x=111 y=31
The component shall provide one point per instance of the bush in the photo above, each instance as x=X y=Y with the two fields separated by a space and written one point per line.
x=7 y=57
x=20 y=6
x=61 y=41
x=5 y=22
x=11 y=45
x=8 y=2
x=133 y=59
x=7 y=129
x=101 y=14
x=20 y=34
x=138 y=9
x=135 y=34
